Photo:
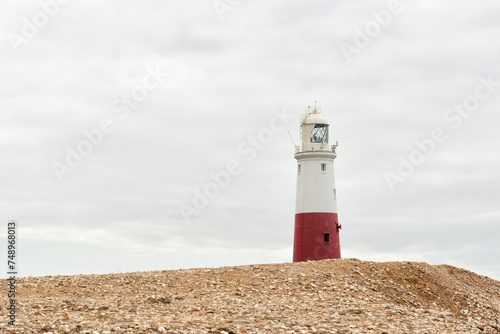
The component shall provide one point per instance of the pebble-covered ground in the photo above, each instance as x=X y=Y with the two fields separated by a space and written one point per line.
x=329 y=296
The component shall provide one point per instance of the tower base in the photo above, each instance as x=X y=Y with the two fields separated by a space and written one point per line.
x=316 y=236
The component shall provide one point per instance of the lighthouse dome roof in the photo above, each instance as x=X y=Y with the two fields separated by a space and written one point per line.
x=314 y=118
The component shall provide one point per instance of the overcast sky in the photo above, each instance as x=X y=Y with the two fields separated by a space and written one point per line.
x=114 y=115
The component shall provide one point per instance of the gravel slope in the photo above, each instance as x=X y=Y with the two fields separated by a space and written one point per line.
x=329 y=296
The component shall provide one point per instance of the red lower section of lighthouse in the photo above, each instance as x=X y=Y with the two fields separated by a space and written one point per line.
x=316 y=236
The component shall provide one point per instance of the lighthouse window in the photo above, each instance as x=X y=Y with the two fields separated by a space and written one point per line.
x=323 y=167
x=320 y=134
x=326 y=237
x=298 y=169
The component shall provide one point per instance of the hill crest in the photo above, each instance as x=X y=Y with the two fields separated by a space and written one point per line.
x=328 y=296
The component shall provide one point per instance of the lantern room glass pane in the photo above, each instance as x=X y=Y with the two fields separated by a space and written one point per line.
x=320 y=134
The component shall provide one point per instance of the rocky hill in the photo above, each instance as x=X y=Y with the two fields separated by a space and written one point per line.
x=330 y=296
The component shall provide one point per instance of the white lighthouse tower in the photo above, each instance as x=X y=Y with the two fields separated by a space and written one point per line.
x=316 y=235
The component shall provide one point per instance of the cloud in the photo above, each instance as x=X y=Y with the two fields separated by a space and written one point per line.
x=224 y=80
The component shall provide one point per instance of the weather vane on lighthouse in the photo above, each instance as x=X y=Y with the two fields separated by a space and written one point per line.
x=317 y=227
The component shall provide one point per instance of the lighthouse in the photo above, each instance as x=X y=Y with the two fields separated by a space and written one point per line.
x=317 y=228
